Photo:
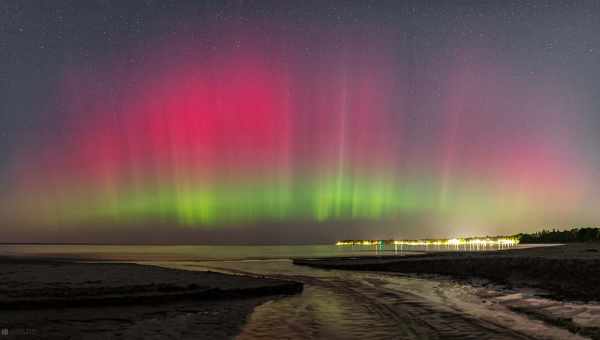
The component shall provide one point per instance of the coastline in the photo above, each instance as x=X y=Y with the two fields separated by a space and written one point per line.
x=569 y=271
x=557 y=285
x=65 y=299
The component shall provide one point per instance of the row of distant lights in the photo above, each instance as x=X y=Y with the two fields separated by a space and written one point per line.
x=450 y=242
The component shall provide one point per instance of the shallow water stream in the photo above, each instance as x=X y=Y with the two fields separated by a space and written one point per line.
x=359 y=305
x=353 y=305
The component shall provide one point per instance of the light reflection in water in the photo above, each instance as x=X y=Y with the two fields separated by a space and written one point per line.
x=368 y=305
x=334 y=304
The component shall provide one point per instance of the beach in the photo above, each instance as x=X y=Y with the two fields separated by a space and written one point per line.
x=565 y=271
x=149 y=292
x=565 y=278
x=68 y=300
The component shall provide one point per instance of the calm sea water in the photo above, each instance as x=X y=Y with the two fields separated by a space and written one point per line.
x=209 y=252
x=187 y=252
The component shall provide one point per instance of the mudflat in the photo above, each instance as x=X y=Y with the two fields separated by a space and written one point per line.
x=61 y=299
x=569 y=271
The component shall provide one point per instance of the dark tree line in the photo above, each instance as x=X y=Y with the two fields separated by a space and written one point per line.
x=562 y=236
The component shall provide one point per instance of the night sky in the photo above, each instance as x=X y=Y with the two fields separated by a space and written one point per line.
x=296 y=121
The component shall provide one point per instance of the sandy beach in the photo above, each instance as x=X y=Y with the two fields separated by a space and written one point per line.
x=65 y=300
x=565 y=278
x=447 y=294
x=565 y=271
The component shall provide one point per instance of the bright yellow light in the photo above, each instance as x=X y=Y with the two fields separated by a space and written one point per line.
x=470 y=242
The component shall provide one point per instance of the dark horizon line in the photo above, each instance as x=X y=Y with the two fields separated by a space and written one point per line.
x=159 y=244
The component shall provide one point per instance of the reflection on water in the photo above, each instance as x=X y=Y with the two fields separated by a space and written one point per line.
x=359 y=305
x=336 y=304
x=220 y=252
x=195 y=252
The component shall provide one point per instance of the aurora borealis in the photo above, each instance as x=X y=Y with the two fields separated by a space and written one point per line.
x=219 y=116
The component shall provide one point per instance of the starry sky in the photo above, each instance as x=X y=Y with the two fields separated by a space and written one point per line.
x=296 y=121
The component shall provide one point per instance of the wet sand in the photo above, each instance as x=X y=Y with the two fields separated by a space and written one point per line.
x=63 y=300
x=566 y=272
x=563 y=279
x=342 y=304
x=66 y=300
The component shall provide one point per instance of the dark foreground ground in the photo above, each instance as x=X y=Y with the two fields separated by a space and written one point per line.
x=62 y=300
x=566 y=271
